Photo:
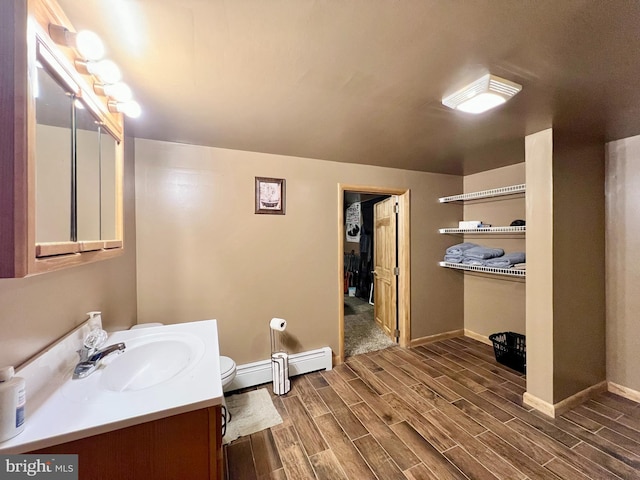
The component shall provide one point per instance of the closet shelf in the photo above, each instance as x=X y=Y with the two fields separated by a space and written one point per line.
x=509 y=272
x=494 y=192
x=517 y=229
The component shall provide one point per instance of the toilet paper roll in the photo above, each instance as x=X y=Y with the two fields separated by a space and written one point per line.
x=279 y=324
x=280 y=373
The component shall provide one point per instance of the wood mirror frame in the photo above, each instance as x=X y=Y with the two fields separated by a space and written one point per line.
x=24 y=36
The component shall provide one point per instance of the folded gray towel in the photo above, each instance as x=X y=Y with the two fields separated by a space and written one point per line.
x=483 y=253
x=453 y=258
x=476 y=262
x=460 y=248
x=506 y=261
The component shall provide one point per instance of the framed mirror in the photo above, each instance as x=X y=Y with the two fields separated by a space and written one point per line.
x=53 y=154
x=78 y=164
x=88 y=182
x=61 y=182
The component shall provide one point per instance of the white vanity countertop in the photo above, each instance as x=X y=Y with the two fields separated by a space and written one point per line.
x=67 y=410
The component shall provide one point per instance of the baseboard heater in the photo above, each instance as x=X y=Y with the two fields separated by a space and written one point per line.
x=257 y=373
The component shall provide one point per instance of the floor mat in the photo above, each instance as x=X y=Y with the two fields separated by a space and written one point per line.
x=250 y=412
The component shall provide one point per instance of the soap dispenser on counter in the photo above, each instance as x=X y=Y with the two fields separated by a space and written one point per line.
x=12 y=401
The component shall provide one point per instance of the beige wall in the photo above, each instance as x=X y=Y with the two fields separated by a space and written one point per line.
x=203 y=253
x=491 y=303
x=578 y=265
x=36 y=311
x=539 y=244
x=565 y=279
x=622 y=260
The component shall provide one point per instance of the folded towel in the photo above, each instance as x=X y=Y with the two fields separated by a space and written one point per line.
x=476 y=262
x=460 y=248
x=520 y=266
x=453 y=258
x=483 y=253
x=506 y=261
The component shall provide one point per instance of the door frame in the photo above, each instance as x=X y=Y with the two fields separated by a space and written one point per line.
x=404 y=259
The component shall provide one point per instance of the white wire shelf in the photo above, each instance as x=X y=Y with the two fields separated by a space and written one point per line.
x=515 y=229
x=494 y=192
x=509 y=272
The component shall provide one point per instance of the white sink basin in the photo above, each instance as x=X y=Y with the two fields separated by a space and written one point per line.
x=166 y=370
x=150 y=360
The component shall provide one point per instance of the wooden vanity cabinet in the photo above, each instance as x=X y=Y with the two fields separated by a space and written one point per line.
x=184 y=446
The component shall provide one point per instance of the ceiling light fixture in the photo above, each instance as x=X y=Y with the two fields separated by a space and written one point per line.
x=481 y=95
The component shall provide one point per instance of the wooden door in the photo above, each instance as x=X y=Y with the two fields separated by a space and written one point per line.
x=384 y=261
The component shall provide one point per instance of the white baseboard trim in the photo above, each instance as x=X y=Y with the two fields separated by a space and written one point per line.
x=556 y=409
x=478 y=337
x=625 y=392
x=416 y=342
x=257 y=373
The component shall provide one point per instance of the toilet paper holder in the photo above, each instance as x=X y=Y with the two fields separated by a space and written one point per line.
x=279 y=358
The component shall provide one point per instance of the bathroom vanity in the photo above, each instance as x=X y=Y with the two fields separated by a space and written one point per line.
x=182 y=446
x=154 y=411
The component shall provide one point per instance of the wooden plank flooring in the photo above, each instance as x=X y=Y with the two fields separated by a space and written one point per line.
x=446 y=410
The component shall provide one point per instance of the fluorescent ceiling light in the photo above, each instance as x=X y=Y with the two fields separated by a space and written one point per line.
x=481 y=95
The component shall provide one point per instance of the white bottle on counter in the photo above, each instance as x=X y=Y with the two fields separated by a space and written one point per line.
x=12 y=401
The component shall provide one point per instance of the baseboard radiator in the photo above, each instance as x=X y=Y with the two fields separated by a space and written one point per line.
x=257 y=373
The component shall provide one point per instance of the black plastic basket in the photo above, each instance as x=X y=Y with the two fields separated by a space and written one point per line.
x=510 y=349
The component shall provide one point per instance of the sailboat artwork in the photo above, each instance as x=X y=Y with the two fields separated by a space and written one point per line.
x=270 y=195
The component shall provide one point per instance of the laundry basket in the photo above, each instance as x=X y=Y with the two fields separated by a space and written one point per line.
x=510 y=350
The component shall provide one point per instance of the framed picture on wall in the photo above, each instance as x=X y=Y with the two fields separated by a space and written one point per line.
x=270 y=195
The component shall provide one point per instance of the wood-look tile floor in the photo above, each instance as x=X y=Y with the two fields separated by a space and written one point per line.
x=446 y=410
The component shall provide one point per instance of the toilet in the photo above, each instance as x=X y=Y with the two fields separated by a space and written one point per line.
x=228 y=373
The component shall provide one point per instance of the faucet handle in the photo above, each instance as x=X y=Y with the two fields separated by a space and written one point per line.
x=95 y=339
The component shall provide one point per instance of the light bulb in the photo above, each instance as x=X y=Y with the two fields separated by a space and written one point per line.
x=120 y=91
x=131 y=109
x=106 y=70
x=89 y=45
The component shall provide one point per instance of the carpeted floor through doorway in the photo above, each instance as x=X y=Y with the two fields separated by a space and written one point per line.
x=361 y=333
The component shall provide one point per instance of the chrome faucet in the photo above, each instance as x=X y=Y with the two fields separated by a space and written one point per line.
x=90 y=359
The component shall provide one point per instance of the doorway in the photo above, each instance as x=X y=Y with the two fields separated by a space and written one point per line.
x=359 y=302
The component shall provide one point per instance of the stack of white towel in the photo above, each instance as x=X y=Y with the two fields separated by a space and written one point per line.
x=469 y=253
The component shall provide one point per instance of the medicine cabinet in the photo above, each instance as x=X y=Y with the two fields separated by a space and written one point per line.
x=61 y=150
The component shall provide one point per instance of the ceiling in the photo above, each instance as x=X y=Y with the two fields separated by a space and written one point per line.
x=361 y=81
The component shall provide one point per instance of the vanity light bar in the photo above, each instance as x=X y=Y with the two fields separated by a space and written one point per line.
x=90 y=49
